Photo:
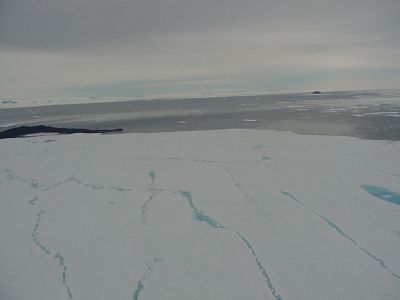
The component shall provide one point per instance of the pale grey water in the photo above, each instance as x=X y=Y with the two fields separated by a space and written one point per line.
x=370 y=115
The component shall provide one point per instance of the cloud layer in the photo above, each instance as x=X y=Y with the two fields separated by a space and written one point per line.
x=94 y=46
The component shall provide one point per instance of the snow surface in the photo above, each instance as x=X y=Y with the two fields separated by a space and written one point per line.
x=230 y=214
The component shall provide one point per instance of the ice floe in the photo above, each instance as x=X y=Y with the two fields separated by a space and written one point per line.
x=229 y=214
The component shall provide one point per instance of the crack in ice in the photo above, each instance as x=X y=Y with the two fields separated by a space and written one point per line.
x=201 y=216
x=138 y=290
x=58 y=257
x=32 y=181
x=145 y=206
x=94 y=186
x=40 y=186
x=343 y=234
x=198 y=214
x=261 y=268
x=387 y=173
x=205 y=161
x=35 y=230
x=149 y=270
x=235 y=182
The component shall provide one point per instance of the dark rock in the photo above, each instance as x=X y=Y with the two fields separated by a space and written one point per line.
x=317 y=93
x=24 y=130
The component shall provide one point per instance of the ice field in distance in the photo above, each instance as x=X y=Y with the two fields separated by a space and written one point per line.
x=225 y=214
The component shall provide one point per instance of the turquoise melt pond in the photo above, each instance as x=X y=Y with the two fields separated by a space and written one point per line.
x=382 y=193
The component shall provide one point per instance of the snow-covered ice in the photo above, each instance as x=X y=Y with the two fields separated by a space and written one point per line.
x=229 y=214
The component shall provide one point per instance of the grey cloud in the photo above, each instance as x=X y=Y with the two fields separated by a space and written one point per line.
x=68 y=24
x=60 y=24
x=69 y=44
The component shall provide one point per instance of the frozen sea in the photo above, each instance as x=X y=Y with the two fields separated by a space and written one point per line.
x=363 y=114
x=203 y=214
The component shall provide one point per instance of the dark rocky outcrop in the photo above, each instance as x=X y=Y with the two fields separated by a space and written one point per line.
x=317 y=93
x=24 y=130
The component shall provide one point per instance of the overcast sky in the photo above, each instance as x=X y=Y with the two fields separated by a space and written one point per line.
x=142 y=47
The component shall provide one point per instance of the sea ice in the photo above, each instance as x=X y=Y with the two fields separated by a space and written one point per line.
x=228 y=214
